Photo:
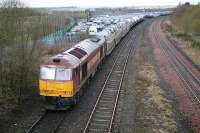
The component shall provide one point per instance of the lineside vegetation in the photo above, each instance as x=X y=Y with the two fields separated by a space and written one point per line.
x=187 y=24
x=22 y=50
x=187 y=19
x=184 y=27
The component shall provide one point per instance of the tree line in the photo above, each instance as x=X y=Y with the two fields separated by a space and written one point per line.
x=187 y=18
x=22 y=49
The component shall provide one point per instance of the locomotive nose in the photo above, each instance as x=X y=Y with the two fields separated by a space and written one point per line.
x=57 y=89
x=55 y=81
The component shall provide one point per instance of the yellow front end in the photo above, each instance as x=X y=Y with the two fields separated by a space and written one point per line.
x=56 y=88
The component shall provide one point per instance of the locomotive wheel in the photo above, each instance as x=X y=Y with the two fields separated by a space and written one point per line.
x=81 y=92
x=88 y=81
x=76 y=98
x=100 y=65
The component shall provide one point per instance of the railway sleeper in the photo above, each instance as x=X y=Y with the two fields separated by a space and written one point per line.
x=106 y=123
x=107 y=99
x=112 y=83
x=98 y=130
x=105 y=112
x=99 y=125
x=102 y=116
x=100 y=120
x=110 y=91
x=107 y=104
x=103 y=108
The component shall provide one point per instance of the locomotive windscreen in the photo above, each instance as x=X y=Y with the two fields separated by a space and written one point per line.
x=63 y=74
x=47 y=73
x=58 y=74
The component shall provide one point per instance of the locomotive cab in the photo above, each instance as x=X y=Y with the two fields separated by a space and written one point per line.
x=56 y=85
x=56 y=81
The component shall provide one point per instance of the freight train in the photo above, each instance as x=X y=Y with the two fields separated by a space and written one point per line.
x=64 y=75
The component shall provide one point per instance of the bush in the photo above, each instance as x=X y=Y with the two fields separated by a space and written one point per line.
x=82 y=35
x=21 y=51
x=195 y=44
x=184 y=36
x=53 y=50
x=168 y=28
x=187 y=19
x=196 y=27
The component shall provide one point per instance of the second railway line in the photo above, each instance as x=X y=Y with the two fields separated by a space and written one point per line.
x=192 y=83
x=184 y=83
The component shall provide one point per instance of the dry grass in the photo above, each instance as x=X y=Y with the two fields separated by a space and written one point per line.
x=7 y=105
x=186 y=45
x=154 y=110
x=193 y=53
x=187 y=19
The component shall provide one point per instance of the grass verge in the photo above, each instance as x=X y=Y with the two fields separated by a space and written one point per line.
x=153 y=110
x=188 y=43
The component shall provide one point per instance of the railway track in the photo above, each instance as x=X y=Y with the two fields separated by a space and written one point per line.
x=102 y=115
x=42 y=124
x=186 y=88
x=55 y=119
x=191 y=82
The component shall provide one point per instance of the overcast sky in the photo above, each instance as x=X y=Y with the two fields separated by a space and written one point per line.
x=103 y=3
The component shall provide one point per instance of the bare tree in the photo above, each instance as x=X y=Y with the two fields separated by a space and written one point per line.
x=22 y=30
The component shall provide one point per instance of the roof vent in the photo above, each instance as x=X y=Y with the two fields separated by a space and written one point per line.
x=56 y=60
x=64 y=53
x=79 y=53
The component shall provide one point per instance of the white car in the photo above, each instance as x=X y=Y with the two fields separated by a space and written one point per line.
x=92 y=30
